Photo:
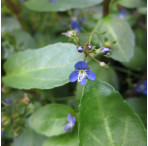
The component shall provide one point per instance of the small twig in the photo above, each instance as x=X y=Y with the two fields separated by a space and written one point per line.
x=106 y=7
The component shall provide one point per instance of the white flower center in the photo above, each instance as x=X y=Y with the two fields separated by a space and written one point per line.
x=82 y=74
x=71 y=124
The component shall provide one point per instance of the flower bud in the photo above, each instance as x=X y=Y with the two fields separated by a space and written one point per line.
x=89 y=47
x=80 y=49
x=105 y=50
x=107 y=44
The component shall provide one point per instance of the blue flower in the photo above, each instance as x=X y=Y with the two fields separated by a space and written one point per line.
x=2 y=133
x=75 y=24
x=80 y=49
x=105 y=50
x=71 y=122
x=22 y=1
x=9 y=101
x=54 y=1
x=142 y=88
x=122 y=14
x=81 y=73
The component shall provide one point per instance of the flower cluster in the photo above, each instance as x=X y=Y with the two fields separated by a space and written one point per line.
x=71 y=122
x=142 y=88
x=82 y=73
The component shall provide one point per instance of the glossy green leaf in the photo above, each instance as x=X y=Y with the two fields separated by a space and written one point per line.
x=51 y=119
x=139 y=105
x=105 y=119
x=60 y=5
x=69 y=139
x=131 y=3
x=42 y=68
x=29 y=138
x=117 y=30
x=138 y=61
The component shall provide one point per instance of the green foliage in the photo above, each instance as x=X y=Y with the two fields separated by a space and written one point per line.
x=45 y=5
x=51 y=119
x=139 y=105
x=69 y=139
x=131 y=3
x=40 y=69
x=138 y=61
x=116 y=29
x=29 y=138
x=41 y=43
x=106 y=119
x=9 y=24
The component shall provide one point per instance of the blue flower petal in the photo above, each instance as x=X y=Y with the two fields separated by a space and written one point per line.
x=2 y=133
x=73 y=120
x=54 y=1
x=145 y=91
x=90 y=75
x=81 y=65
x=67 y=126
x=69 y=117
x=83 y=81
x=145 y=83
x=73 y=76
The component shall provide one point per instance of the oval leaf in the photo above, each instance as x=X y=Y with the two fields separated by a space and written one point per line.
x=118 y=30
x=105 y=119
x=60 y=5
x=51 y=119
x=42 y=68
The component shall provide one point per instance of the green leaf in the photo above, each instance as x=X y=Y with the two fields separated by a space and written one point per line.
x=61 y=5
x=9 y=24
x=138 y=61
x=23 y=40
x=69 y=139
x=131 y=3
x=42 y=68
x=51 y=119
x=105 y=119
x=139 y=105
x=29 y=138
x=142 y=10
x=117 y=30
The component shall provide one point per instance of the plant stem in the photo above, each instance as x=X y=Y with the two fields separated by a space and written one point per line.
x=106 y=7
x=15 y=9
